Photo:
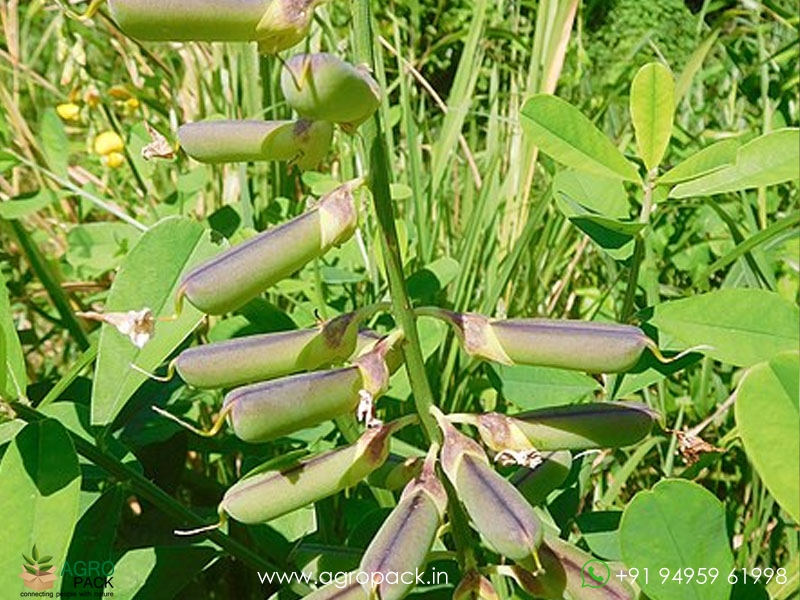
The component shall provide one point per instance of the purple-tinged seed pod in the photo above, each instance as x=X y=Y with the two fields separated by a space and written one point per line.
x=266 y=495
x=405 y=538
x=474 y=586
x=303 y=143
x=189 y=20
x=265 y=411
x=563 y=577
x=239 y=274
x=577 y=345
x=498 y=511
x=326 y=88
x=267 y=356
x=268 y=410
x=285 y=23
x=574 y=427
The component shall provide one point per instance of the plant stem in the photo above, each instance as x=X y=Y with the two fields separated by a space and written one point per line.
x=51 y=284
x=638 y=248
x=372 y=132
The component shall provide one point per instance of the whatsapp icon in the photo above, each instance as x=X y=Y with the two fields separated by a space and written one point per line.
x=595 y=573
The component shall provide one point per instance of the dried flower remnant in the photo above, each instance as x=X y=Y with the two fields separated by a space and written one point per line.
x=158 y=147
x=138 y=325
x=692 y=447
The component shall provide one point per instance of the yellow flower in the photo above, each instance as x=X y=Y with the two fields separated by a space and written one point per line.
x=114 y=160
x=68 y=111
x=107 y=143
x=131 y=104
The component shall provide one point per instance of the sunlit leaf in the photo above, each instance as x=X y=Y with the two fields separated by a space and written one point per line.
x=767 y=415
x=565 y=133
x=677 y=525
x=741 y=326
x=767 y=160
x=652 y=107
x=149 y=277
x=39 y=488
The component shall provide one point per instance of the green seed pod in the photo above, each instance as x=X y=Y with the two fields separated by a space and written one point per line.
x=266 y=411
x=326 y=88
x=239 y=274
x=475 y=586
x=285 y=23
x=536 y=484
x=575 y=427
x=497 y=509
x=267 y=495
x=577 y=345
x=267 y=356
x=563 y=576
x=405 y=538
x=303 y=143
x=189 y=20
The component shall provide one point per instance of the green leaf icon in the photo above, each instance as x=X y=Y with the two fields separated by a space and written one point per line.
x=45 y=559
x=31 y=570
x=44 y=567
x=35 y=552
x=28 y=559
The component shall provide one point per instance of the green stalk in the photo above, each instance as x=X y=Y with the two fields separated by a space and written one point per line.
x=375 y=145
x=628 y=305
x=51 y=284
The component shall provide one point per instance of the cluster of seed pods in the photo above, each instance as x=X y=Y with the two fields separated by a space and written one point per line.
x=278 y=387
x=321 y=88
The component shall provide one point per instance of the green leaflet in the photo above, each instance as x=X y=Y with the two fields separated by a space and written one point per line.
x=39 y=489
x=677 y=525
x=566 y=134
x=767 y=415
x=652 y=107
x=737 y=326
x=767 y=160
x=149 y=277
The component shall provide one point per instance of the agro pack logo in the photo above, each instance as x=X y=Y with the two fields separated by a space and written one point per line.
x=37 y=572
x=89 y=574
